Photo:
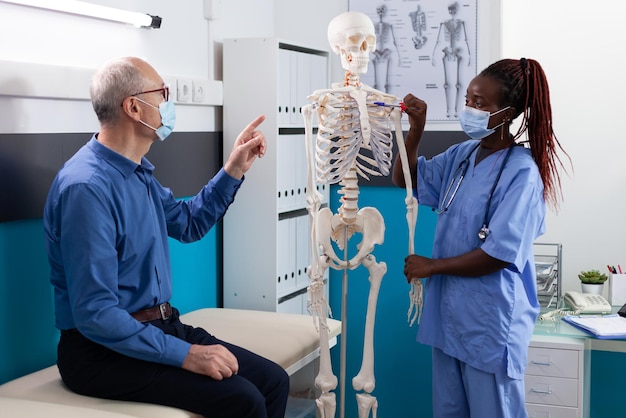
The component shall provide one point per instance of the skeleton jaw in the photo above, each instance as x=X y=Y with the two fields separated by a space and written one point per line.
x=355 y=62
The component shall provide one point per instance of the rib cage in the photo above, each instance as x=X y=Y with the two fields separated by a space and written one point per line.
x=342 y=142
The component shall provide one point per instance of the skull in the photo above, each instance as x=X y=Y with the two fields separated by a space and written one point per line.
x=353 y=37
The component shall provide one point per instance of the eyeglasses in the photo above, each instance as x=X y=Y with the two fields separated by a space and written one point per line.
x=165 y=91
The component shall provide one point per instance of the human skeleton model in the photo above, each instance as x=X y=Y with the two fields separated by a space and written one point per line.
x=456 y=51
x=385 y=44
x=354 y=138
x=418 y=21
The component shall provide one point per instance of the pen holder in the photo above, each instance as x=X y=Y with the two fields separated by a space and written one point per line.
x=617 y=289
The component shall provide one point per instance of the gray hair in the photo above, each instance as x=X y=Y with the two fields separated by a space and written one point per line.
x=110 y=85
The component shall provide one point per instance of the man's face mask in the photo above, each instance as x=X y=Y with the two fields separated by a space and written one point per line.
x=168 y=118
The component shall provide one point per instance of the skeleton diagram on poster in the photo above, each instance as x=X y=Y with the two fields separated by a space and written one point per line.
x=423 y=47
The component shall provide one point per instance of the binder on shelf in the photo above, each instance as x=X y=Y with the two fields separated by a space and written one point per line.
x=600 y=326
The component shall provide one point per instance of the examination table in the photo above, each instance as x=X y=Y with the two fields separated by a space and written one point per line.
x=290 y=340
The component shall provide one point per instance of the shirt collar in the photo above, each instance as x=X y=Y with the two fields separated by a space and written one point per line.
x=122 y=164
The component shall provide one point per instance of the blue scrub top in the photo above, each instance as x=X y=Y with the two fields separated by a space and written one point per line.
x=485 y=321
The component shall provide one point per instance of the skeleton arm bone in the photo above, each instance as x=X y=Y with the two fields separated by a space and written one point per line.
x=416 y=111
x=406 y=172
x=318 y=306
x=313 y=196
x=416 y=294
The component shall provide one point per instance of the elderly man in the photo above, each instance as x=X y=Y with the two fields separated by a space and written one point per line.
x=107 y=222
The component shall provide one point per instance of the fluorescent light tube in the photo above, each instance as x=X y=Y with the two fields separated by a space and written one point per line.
x=75 y=7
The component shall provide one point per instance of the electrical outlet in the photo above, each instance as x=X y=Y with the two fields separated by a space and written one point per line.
x=199 y=91
x=183 y=89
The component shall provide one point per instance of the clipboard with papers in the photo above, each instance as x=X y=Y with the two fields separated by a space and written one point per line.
x=600 y=326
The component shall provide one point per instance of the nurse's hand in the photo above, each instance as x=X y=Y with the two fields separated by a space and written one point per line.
x=415 y=109
x=417 y=267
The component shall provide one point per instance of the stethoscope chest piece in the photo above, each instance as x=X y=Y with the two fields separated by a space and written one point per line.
x=483 y=233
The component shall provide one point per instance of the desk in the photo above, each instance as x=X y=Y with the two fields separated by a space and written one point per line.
x=561 y=329
x=560 y=356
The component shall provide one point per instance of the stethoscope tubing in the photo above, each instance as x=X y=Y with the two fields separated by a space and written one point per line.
x=483 y=232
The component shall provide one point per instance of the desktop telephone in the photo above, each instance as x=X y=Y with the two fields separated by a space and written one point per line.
x=586 y=303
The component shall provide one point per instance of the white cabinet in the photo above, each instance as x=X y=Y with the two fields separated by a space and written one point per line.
x=557 y=378
x=266 y=230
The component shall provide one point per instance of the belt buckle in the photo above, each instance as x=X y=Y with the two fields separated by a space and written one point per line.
x=163 y=309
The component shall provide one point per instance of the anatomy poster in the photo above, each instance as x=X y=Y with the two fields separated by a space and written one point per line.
x=423 y=47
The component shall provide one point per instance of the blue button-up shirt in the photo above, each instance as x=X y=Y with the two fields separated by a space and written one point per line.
x=107 y=222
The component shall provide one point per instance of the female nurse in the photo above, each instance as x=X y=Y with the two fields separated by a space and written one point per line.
x=490 y=194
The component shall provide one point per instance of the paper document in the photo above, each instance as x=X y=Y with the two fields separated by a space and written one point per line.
x=601 y=326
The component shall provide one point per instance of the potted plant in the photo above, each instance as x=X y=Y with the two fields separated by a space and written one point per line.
x=592 y=281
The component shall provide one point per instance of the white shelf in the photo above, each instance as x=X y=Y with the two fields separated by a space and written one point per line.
x=266 y=230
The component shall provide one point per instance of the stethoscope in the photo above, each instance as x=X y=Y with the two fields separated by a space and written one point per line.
x=484 y=231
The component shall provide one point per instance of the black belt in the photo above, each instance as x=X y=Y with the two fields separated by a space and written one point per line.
x=162 y=311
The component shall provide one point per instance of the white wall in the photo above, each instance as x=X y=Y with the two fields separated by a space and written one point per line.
x=580 y=47
x=79 y=44
x=300 y=22
x=186 y=46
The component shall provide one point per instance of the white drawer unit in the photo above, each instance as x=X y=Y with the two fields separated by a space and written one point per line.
x=557 y=378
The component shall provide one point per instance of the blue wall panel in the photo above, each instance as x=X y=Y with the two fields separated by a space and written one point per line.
x=195 y=273
x=402 y=366
x=607 y=375
x=28 y=337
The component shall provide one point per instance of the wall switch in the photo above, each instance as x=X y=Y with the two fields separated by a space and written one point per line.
x=199 y=90
x=183 y=89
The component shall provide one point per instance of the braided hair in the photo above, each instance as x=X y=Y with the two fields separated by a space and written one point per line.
x=525 y=88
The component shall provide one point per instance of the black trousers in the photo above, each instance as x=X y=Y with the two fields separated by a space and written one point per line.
x=259 y=390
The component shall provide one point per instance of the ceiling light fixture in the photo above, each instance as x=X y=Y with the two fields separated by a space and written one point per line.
x=140 y=20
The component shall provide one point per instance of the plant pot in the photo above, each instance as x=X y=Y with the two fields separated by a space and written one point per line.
x=593 y=288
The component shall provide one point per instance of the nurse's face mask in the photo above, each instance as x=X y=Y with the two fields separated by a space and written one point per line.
x=475 y=122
